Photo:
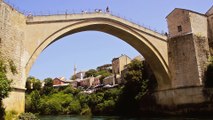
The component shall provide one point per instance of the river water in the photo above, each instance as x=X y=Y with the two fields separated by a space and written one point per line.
x=77 y=117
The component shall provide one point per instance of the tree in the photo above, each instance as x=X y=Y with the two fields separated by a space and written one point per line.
x=35 y=100
x=90 y=73
x=209 y=73
x=74 y=107
x=48 y=82
x=37 y=85
x=28 y=86
x=48 y=86
x=73 y=77
x=104 y=73
x=33 y=84
x=71 y=90
x=134 y=88
x=5 y=87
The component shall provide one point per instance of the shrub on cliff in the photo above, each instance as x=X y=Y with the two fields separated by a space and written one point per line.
x=27 y=116
x=4 y=86
x=209 y=73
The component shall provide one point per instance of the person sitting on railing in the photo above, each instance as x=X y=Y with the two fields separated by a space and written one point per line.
x=96 y=10
x=83 y=11
x=30 y=16
x=99 y=10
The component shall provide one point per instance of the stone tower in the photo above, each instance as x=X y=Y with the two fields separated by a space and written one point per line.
x=188 y=49
x=209 y=15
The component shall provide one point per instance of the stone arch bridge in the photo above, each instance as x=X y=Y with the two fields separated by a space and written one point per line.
x=23 y=38
x=41 y=31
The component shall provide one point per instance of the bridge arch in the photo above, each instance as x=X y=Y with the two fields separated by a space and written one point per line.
x=113 y=27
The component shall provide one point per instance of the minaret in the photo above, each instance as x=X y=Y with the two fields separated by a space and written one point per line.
x=75 y=72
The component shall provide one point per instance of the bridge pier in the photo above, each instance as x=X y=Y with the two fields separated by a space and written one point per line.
x=16 y=100
x=180 y=96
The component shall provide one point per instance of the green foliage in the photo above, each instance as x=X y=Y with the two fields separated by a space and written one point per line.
x=143 y=91
x=134 y=72
x=210 y=60
x=11 y=115
x=35 y=100
x=37 y=85
x=51 y=105
x=4 y=82
x=64 y=102
x=48 y=82
x=106 y=107
x=73 y=77
x=60 y=103
x=134 y=89
x=67 y=100
x=209 y=73
x=90 y=73
x=74 y=107
x=33 y=84
x=112 y=94
x=103 y=74
x=2 y=111
x=94 y=73
x=13 y=68
x=4 y=86
x=71 y=90
x=86 y=110
x=2 y=67
x=94 y=99
x=28 y=86
x=32 y=101
x=48 y=86
x=83 y=98
x=28 y=103
x=27 y=116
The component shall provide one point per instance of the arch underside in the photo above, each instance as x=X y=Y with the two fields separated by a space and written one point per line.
x=125 y=33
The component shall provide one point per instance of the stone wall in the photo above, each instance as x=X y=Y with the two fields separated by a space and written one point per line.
x=210 y=32
x=123 y=60
x=181 y=96
x=202 y=54
x=12 y=25
x=187 y=54
x=188 y=47
x=181 y=21
x=178 y=17
x=16 y=101
x=199 y=24
x=183 y=61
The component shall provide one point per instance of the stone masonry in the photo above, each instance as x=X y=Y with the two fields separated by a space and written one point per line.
x=188 y=52
x=11 y=38
x=177 y=60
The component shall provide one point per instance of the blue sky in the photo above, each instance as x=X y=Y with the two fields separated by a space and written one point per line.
x=91 y=49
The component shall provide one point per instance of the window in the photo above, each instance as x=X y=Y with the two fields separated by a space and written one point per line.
x=179 y=28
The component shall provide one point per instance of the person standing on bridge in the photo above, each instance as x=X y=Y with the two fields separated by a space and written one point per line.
x=107 y=9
